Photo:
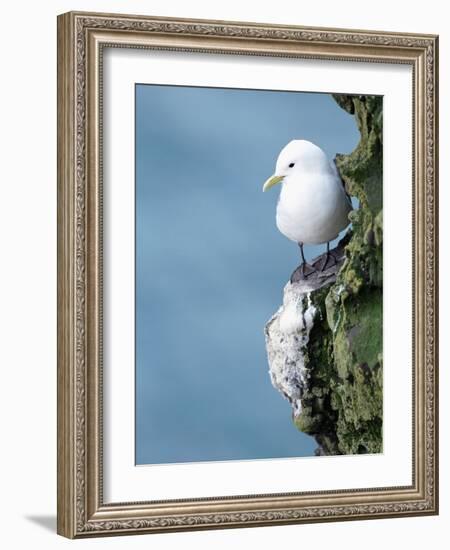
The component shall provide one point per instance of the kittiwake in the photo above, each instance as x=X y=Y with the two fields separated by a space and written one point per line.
x=313 y=206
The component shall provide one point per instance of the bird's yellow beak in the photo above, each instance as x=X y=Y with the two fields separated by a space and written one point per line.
x=273 y=180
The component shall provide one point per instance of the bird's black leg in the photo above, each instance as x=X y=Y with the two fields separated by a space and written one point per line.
x=302 y=253
x=306 y=268
x=326 y=261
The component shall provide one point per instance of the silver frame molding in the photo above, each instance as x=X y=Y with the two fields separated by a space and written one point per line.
x=81 y=39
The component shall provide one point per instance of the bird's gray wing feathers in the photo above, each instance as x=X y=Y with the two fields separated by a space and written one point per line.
x=336 y=171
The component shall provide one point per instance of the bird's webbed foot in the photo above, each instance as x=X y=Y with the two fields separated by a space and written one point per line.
x=307 y=270
x=329 y=260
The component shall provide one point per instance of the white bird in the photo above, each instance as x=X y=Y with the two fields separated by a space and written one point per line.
x=313 y=206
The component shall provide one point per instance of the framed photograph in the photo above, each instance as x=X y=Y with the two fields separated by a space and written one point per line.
x=247 y=283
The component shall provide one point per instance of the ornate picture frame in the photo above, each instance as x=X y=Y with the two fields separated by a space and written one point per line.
x=82 y=39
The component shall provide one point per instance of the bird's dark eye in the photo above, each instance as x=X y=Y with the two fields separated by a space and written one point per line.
x=292 y=165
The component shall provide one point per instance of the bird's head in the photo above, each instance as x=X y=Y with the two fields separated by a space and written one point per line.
x=298 y=156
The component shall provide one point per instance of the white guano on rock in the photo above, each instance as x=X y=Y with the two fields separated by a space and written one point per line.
x=287 y=336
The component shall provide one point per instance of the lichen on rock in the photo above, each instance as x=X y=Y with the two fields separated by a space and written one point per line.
x=325 y=343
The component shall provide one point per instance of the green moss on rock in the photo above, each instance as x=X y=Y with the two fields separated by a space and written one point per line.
x=317 y=416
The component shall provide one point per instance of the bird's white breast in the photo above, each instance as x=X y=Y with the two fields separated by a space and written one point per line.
x=313 y=207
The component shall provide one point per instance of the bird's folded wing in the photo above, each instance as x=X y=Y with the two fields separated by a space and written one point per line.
x=336 y=171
